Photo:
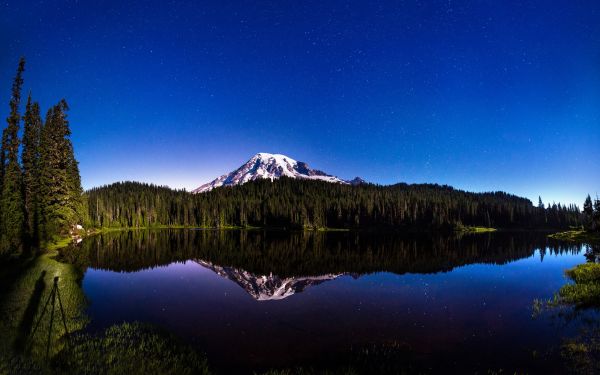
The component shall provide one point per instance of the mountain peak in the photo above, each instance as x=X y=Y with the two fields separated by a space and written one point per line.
x=268 y=155
x=264 y=165
x=357 y=181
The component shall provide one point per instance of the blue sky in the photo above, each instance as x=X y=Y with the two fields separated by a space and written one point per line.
x=481 y=95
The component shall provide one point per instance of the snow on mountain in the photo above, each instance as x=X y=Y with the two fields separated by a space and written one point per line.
x=267 y=287
x=272 y=166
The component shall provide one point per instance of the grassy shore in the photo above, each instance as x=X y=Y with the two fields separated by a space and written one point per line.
x=130 y=348
x=581 y=352
x=469 y=229
x=577 y=236
x=225 y=227
x=27 y=330
x=57 y=244
x=307 y=228
x=325 y=229
x=585 y=289
x=580 y=296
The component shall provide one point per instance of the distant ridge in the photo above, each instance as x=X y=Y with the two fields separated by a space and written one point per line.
x=272 y=166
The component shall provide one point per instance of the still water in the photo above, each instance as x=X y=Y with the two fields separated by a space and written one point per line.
x=254 y=299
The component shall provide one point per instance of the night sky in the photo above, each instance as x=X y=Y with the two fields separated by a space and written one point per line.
x=481 y=95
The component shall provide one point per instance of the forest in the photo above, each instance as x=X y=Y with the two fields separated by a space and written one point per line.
x=302 y=204
x=41 y=197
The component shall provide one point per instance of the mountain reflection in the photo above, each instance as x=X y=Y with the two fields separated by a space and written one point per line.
x=267 y=287
x=302 y=254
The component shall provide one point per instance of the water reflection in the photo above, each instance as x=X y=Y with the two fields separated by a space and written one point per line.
x=267 y=287
x=459 y=301
x=307 y=253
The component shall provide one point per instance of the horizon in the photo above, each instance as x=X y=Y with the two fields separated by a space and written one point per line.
x=481 y=97
x=534 y=202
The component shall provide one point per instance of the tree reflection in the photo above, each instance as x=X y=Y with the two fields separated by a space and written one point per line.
x=307 y=253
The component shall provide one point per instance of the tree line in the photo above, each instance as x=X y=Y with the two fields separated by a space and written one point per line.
x=40 y=188
x=591 y=214
x=297 y=204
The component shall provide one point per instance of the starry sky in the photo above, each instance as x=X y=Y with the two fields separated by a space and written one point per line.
x=481 y=95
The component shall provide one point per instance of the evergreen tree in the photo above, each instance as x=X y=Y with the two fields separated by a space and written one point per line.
x=11 y=198
x=52 y=178
x=588 y=213
x=60 y=184
x=3 y=148
x=596 y=215
x=41 y=194
x=74 y=179
x=31 y=168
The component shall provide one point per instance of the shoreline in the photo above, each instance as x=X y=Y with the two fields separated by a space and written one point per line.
x=579 y=235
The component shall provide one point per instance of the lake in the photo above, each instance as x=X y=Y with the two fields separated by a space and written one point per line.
x=259 y=299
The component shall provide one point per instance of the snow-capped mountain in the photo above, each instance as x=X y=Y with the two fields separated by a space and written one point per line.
x=272 y=166
x=267 y=287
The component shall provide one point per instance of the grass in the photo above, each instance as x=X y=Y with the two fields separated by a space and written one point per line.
x=581 y=354
x=130 y=348
x=585 y=273
x=223 y=227
x=585 y=289
x=582 y=292
x=579 y=235
x=101 y=230
x=470 y=229
x=26 y=288
x=57 y=244
x=326 y=229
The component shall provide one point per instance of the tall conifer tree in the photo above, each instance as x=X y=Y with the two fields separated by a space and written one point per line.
x=588 y=212
x=11 y=200
x=60 y=184
x=596 y=215
x=72 y=168
x=31 y=168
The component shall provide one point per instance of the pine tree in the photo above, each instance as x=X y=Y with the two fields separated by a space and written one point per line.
x=31 y=169
x=51 y=178
x=72 y=168
x=62 y=202
x=11 y=198
x=596 y=215
x=588 y=212
x=3 y=149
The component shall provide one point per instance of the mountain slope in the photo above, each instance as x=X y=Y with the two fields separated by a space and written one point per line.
x=271 y=166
